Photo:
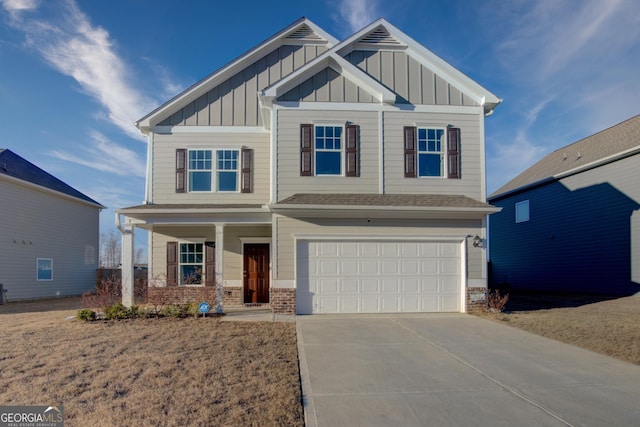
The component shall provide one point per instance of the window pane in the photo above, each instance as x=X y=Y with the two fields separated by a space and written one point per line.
x=522 y=211
x=227 y=181
x=191 y=274
x=328 y=163
x=44 y=269
x=429 y=165
x=199 y=181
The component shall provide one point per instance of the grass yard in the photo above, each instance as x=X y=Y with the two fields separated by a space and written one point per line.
x=156 y=372
x=608 y=326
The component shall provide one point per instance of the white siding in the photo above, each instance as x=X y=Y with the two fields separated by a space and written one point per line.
x=37 y=224
x=164 y=166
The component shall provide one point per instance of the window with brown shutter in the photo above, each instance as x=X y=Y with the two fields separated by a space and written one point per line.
x=453 y=152
x=410 y=157
x=181 y=170
x=352 y=166
x=306 y=150
x=172 y=264
x=210 y=264
x=246 y=176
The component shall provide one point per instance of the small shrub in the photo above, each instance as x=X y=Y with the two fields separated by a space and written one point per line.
x=496 y=302
x=116 y=311
x=86 y=314
x=172 y=310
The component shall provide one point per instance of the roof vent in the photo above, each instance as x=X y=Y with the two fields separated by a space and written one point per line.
x=380 y=36
x=304 y=33
x=579 y=155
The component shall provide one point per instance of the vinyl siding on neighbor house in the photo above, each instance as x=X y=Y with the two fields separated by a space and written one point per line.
x=39 y=224
x=582 y=235
x=288 y=227
x=164 y=166
x=235 y=101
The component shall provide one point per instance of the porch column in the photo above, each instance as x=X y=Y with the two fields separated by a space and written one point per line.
x=127 y=266
x=219 y=263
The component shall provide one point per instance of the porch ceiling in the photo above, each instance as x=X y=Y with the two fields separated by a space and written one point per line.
x=147 y=216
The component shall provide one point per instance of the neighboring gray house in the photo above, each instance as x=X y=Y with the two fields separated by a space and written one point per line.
x=571 y=221
x=48 y=233
x=319 y=176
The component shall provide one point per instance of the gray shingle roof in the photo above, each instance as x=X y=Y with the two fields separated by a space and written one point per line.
x=16 y=167
x=400 y=200
x=609 y=142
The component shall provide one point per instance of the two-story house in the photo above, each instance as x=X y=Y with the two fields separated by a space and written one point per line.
x=319 y=176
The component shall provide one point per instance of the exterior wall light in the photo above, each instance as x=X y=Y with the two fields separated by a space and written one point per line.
x=477 y=242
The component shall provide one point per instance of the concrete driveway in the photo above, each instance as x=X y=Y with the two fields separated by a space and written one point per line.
x=455 y=370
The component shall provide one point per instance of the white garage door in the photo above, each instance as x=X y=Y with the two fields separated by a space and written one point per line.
x=378 y=277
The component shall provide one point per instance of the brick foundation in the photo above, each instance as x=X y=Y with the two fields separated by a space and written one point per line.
x=232 y=296
x=283 y=300
x=181 y=295
x=476 y=299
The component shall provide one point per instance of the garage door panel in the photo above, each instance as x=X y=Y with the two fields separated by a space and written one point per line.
x=378 y=276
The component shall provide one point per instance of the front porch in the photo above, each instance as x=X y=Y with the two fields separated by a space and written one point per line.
x=218 y=254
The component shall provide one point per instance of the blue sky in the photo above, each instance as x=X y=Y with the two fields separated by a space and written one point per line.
x=76 y=74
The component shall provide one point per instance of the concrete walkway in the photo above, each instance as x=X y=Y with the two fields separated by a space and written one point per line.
x=455 y=370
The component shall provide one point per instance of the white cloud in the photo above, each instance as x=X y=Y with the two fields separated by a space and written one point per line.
x=106 y=156
x=357 y=13
x=71 y=44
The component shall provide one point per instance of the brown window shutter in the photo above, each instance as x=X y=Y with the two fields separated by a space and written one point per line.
x=306 y=150
x=352 y=156
x=410 y=152
x=453 y=152
x=245 y=177
x=172 y=264
x=181 y=170
x=210 y=264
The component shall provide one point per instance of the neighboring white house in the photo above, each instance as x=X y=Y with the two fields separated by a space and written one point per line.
x=49 y=233
x=319 y=176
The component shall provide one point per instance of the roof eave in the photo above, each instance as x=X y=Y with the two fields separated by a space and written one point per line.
x=366 y=211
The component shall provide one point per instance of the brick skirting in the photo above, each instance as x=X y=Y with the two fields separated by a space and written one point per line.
x=283 y=300
x=476 y=299
x=232 y=296
x=181 y=295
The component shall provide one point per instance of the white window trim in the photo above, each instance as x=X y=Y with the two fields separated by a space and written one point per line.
x=180 y=263
x=528 y=213
x=37 y=269
x=214 y=169
x=443 y=152
x=341 y=125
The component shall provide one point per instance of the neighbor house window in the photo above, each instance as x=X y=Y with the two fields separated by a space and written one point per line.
x=191 y=263
x=205 y=174
x=522 y=211
x=44 y=268
x=431 y=152
x=328 y=150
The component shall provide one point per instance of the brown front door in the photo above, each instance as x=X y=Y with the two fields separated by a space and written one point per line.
x=256 y=273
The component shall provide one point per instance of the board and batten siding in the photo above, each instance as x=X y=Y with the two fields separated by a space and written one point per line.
x=235 y=101
x=164 y=166
x=327 y=86
x=412 y=81
x=583 y=233
x=289 y=181
x=38 y=224
x=232 y=258
x=288 y=227
x=471 y=181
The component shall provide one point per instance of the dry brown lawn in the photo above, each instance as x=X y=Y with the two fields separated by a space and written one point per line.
x=155 y=372
x=609 y=326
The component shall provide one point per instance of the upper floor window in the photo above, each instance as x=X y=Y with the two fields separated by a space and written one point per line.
x=205 y=173
x=431 y=152
x=330 y=150
x=328 y=144
x=522 y=211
